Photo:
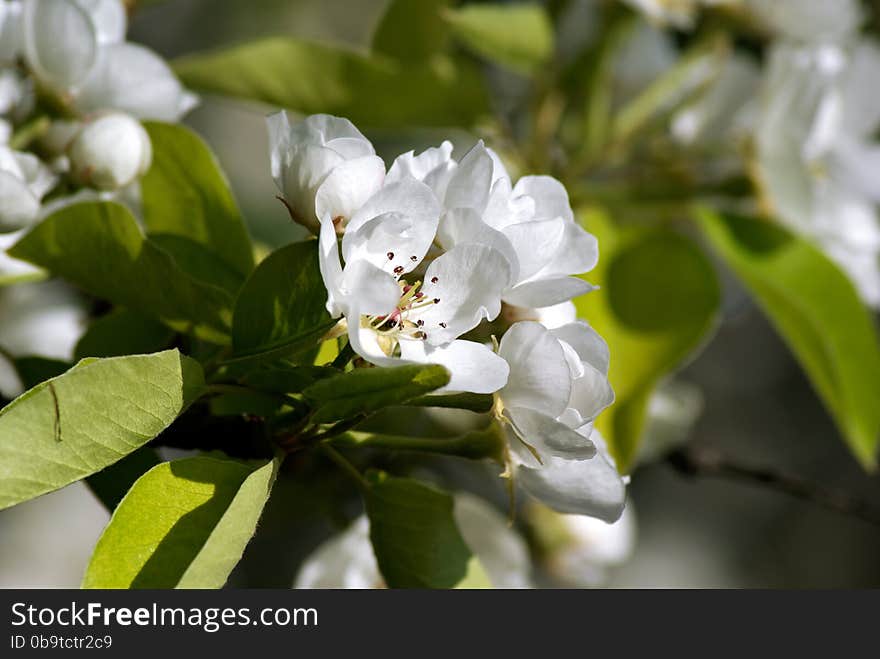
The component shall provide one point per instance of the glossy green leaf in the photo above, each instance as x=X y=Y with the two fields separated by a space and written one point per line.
x=310 y=78
x=818 y=313
x=366 y=390
x=410 y=30
x=88 y=418
x=199 y=262
x=518 y=35
x=184 y=524
x=414 y=535
x=185 y=193
x=284 y=299
x=123 y=332
x=657 y=302
x=99 y=247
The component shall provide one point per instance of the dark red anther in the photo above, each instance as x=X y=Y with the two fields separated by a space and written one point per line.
x=419 y=295
x=443 y=325
x=398 y=270
x=434 y=280
x=390 y=255
x=436 y=300
x=420 y=322
x=413 y=258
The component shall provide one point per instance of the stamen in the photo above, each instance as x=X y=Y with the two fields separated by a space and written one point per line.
x=420 y=322
x=443 y=325
x=436 y=300
x=414 y=258
x=390 y=255
x=398 y=270
x=434 y=280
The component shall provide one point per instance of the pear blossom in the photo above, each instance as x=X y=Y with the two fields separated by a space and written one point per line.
x=807 y=21
x=557 y=385
x=323 y=166
x=110 y=152
x=399 y=309
x=678 y=13
x=816 y=159
x=24 y=180
x=530 y=223
x=347 y=559
x=77 y=50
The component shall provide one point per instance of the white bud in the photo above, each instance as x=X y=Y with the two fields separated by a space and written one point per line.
x=110 y=152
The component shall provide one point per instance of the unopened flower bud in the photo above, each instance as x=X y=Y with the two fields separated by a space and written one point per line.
x=110 y=152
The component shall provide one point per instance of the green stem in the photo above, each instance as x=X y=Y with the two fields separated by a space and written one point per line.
x=475 y=445
x=345 y=466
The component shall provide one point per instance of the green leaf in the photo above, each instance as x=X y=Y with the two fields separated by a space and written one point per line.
x=123 y=332
x=184 y=524
x=366 y=390
x=818 y=313
x=465 y=401
x=185 y=193
x=414 y=535
x=657 y=302
x=287 y=380
x=111 y=484
x=283 y=300
x=199 y=262
x=88 y=418
x=310 y=78
x=99 y=247
x=518 y=36
x=410 y=30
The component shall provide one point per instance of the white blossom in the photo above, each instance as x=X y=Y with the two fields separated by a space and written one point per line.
x=399 y=309
x=77 y=49
x=531 y=223
x=23 y=182
x=323 y=166
x=816 y=159
x=557 y=385
x=347 y=559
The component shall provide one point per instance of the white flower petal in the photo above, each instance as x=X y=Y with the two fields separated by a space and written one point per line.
x=471 y=182
x=375 y=291
x=577 y=254
x=581 y=487
x=535 y=244
x=344 y=561
x=589 y=346
x=432 y=166
x=548 y=436
x=539 y=375
x=463 y=225
x=396 y=224
x=551 y=199
x=59 y=40
x=19 y=207
x=467 y=282
x=473 y=366
x=500 y=550
x=350 y=183
x=108 y=17
x=547 y=292
x=136 y=80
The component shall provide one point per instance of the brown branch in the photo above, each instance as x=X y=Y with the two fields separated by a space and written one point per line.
x=704 y=462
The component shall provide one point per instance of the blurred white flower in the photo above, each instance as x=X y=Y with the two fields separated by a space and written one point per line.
x=110 y=152
x=557 y=385
x=347 y=560
x=678 y=13
x=23 y=182
x=809 y=21
x=816 y=157
x=579 y=551
x=77 y=49
x=323 y=166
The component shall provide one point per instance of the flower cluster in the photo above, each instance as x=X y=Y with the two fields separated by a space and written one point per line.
x=416 y=258
x=72 y=91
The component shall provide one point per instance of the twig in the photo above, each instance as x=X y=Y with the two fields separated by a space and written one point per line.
x=703 y=462
x=345 y=465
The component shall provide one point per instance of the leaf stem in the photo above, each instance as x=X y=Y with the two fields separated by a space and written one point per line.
x=343 y=463
x=705 y=462
x=475 y=445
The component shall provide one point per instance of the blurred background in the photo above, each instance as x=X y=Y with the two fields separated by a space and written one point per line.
x=756 y=405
